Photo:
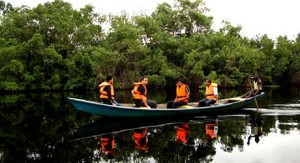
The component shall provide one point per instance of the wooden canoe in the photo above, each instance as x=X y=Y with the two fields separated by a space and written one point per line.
x=224 y=105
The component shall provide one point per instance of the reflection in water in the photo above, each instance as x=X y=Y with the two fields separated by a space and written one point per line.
x=181 y=134
x=254 y=129
x=211 y=130
x=107 y=143
x=140 y=138
x=40 y=128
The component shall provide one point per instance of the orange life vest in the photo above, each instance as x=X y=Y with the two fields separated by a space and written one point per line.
x=138 y=137
x=135 y=93
x=105 y=141
x=210 y=91
x=210 y=130
x=181 y=133
x=103 y=93
x=181 y=93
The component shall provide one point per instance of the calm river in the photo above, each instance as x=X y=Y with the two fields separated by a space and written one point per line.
x=44 y=127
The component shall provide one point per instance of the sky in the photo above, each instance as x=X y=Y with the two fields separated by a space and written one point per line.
x=256 y=17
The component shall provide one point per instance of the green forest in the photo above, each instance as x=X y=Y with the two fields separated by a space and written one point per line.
x=55 y=47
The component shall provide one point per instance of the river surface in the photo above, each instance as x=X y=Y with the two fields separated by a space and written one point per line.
x=44 y=127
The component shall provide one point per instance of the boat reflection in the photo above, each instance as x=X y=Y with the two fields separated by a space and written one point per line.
x=176 y=140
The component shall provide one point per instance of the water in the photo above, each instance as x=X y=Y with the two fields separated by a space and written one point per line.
x=46 y=128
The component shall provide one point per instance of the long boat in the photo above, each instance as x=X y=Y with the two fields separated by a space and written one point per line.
x=223 y=106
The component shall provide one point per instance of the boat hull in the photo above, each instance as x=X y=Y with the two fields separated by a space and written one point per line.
x=123 y=111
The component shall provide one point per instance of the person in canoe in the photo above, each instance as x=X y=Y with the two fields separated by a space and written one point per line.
x=107 y=93
x=182 y=95
x=211 y=94
x=139 y=94
x=257 y=86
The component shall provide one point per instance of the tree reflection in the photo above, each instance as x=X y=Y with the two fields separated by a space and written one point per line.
x=38 y=127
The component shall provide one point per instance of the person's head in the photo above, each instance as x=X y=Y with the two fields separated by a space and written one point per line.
x=144 y=80
x=256 y=76
x=207 y=82
x=109 y=79
x=179 y=82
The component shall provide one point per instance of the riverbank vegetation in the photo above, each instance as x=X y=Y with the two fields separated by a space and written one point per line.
x=55 y=47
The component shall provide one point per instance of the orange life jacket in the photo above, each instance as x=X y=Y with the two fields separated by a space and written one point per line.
x=138 y=137
x=135 y=93
x=210 y=91
x=105 y=141
x=181 y=93
x=181 y=133
x=103 y=93
x=210 y=130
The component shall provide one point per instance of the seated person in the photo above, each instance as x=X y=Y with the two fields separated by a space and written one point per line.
x=211 y=94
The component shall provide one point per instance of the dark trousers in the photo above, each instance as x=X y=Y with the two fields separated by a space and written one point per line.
x=172 y=104
x=106 y=101
x=151 y=103
x=206 y=102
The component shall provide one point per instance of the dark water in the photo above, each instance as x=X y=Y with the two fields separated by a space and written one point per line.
x=46 y=128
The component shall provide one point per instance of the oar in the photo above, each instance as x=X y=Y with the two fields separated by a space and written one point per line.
x=254 y=95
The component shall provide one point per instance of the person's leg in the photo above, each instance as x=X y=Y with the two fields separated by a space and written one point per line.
x=139 y=103
x=170 y=104
x=115 y=102
x=210 y=102
x=247 y=94
x=202 y=103
x=106 y=101
x=178 y=104
x=152 y=103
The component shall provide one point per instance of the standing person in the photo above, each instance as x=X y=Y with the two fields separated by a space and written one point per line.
x=211 y=94
x=256 y=89
x=139 y=94
x=107 y=93
x=257 y=84
x=182 y=95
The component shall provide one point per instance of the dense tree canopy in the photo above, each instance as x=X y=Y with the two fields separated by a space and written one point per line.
x=54 y=47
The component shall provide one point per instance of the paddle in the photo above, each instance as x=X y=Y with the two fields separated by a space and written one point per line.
x=254 y=95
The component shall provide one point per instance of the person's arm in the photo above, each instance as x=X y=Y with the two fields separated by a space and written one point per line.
x=108 y=90
x=144 y=97
x=216 y=93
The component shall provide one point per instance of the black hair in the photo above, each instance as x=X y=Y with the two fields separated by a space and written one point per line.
x=143 y=77
x=108 y=78
x=179 y=80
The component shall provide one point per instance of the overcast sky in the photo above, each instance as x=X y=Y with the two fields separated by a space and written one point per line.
x=256 y=17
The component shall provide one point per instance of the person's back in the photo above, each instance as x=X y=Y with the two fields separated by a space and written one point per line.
x=107 y=93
